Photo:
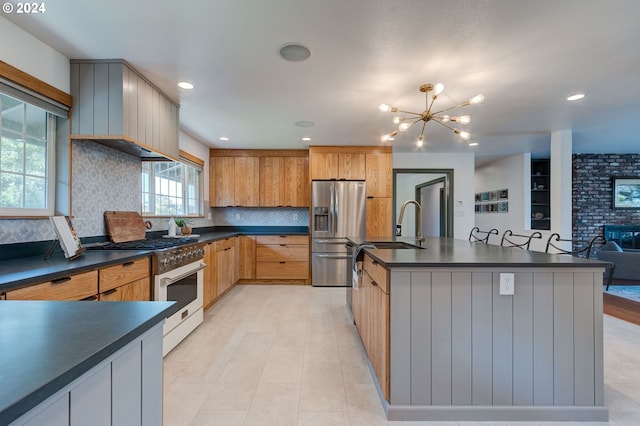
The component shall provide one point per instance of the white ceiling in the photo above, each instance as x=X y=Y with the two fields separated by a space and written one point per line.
x=525 y=56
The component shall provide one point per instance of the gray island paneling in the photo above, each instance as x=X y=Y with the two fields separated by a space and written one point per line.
x=459 y=350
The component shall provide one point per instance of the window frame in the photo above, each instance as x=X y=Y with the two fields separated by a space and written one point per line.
x=50 y=167
x=184 y=163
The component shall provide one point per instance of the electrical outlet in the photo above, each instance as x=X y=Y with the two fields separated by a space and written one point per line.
x=237 y=216
x=507 y=284
x=295 y=217
x=209 y=216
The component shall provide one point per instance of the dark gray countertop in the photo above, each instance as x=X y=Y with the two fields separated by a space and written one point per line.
x=449 y=252
x=47 y=345
x=24 y=271
x=16 y=273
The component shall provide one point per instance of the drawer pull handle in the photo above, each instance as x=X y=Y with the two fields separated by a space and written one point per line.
x=282 y=236
x=283 y=245
x=108 y=292
x=90 y=299
x=124 y=265
x=61 y=280
x=283 y=262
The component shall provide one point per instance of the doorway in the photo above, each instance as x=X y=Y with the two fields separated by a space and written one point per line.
x=432 y=189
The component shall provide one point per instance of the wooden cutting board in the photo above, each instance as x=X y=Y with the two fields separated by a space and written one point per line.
x=124 y=226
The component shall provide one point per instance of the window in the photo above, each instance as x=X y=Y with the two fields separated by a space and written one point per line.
x=171 y=189
x=27 y=147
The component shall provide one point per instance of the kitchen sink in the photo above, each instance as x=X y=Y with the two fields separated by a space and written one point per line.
x=393 y=245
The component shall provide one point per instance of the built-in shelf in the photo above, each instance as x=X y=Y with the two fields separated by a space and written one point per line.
x=540 y=194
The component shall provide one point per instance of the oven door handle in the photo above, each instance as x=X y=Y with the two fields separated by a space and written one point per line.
x=170 y=280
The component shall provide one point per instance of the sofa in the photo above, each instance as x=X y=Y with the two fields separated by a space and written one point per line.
x=625 y=268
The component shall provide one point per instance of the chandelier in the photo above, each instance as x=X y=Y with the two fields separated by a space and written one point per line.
x=410 y=118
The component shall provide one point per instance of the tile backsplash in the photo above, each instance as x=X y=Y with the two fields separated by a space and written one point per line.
x=108 y=179
x=257 y=216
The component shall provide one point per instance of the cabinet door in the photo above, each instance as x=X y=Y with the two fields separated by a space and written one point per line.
x=209 y=285
x=90 y=401
x=351 y=166
x=126 y=385
x=323 y=165
x=222 y=181
x=247 y=257
x=379 y=175
x=247 y=182
x=271 y=181
x=295 y=182
x=379 y=337
x=379 y=217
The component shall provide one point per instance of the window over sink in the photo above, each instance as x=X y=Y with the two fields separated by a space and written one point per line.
x=171 y=188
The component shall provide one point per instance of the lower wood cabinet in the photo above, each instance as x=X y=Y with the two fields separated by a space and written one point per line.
x=282 y=257
x=226 y=264
x=72 y=287
x=371 y=314
x=209 y=286
x=129 y=281
x=247 y=257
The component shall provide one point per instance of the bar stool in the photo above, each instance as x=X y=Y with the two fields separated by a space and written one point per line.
x=578 y=247
x=475 y=237
x=508 y=239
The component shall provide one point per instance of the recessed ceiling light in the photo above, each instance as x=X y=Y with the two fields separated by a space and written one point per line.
x=295 y=52
x=224 y=138
x=473 y=144
x=304 y=123
x=306 y=139
x=185 y=85
x=576 y=97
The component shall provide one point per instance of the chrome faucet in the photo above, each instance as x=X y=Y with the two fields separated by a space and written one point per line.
x=419 y=224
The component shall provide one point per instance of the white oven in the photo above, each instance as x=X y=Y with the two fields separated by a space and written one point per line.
x=183 y=285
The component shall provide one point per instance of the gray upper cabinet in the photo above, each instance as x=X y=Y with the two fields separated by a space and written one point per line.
x=115 y=105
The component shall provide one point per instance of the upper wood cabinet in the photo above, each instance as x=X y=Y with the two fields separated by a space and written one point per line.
x=114 y=104
x=337 y=165
x=379 y=174
x=247 y=181
x=234 y=182
x=259 y=178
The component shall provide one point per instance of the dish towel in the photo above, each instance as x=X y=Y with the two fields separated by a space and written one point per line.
x=357 y=255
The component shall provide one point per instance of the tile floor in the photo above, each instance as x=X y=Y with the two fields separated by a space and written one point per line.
x=288 y=355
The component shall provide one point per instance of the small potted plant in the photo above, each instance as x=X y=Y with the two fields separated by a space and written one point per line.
x=182 y=223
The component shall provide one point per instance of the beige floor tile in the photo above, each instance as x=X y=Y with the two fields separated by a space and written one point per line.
x=275 y=404
x=322 y=397
x=218 y=418
x=323 y=418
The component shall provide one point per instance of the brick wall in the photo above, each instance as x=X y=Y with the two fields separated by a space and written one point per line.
x=592 y=192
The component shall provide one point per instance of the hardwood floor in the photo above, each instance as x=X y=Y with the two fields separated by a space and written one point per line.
x=619 y=307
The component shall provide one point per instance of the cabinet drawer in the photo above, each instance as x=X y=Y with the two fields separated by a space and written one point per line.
x=227 y=243
x=117 y=275
x=139 y=290
x=282 y=239
x=282 y=270
x=377 y=273
x=282 y=252
x=73 y=287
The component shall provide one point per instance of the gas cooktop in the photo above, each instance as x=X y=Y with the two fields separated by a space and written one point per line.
x=150 y=244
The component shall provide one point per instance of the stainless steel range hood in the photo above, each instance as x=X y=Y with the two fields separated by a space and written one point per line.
x=115 y=105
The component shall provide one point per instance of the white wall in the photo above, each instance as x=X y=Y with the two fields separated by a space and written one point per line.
x=25 y=52
x=510 y=173
x=430 y=196
x=406 y=190
x=463 y=166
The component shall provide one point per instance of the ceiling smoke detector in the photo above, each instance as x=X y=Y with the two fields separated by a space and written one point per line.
x=295 y=52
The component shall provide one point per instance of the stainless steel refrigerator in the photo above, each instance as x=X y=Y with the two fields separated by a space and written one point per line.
x=338 y=210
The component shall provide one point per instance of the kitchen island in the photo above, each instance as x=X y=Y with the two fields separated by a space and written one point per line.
x=96 y=363
x=446 y=344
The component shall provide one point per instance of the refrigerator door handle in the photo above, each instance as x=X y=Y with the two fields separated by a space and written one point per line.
x=332 y=209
